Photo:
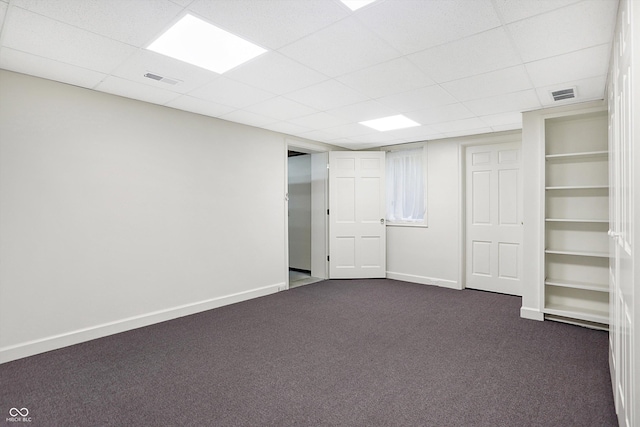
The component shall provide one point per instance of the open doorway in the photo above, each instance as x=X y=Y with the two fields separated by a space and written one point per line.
x=306 y=216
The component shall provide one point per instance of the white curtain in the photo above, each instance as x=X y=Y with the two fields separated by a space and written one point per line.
x=406 y=186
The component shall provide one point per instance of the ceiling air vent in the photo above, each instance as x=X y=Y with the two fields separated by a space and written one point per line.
x=161 y=79
x=561 y=95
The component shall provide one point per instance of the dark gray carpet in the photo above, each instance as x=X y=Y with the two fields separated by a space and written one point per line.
x=347 y=353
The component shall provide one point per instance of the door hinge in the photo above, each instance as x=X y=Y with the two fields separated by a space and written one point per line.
x=327 y=257
x=327 y=211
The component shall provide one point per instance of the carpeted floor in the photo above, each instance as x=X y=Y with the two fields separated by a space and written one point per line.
x=333 y=353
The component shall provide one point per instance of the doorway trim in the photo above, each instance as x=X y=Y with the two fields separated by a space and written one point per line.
x=319 y=218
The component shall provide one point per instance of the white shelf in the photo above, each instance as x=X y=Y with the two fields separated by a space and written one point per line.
x=577 y=313
x=597 y=254
x=597 y=287
x=588 y=221
x=576 y=174
x=582 y=155
x=579 y=187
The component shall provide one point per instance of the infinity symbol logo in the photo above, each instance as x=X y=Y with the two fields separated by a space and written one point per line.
x=14 y=412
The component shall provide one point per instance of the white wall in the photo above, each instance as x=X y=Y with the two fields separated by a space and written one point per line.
x=115 y=213
x=435 y=255
x=430 y=255
x=299 y=171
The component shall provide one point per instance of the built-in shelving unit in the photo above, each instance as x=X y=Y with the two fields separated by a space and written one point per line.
x=596 y=221
x=576 y=221
x=579 y=187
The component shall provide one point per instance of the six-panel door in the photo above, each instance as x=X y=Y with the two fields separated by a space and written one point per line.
x=494 y=218
x=357 y=235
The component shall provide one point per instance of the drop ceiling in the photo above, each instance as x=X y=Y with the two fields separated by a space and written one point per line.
x=456 y=67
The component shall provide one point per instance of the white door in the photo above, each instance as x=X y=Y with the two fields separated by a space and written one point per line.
x=621 y=277
x=624 y=193
x=494 y=218
x=357 y=232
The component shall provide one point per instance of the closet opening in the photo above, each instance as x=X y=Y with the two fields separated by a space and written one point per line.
x=306 y=216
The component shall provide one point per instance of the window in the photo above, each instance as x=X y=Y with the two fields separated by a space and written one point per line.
x=406 y=187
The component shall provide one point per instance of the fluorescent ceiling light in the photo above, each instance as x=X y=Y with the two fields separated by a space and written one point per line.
x=356 y=4
x=199 y=43
x=390 y=123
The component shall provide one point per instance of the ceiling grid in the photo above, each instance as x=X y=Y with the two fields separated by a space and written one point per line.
x=456 y=67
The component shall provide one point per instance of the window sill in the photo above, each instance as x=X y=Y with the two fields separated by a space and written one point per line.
x=407 y=224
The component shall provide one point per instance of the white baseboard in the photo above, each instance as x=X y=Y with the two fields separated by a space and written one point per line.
x=531 y=313
x=31 y=348
x=423 y=280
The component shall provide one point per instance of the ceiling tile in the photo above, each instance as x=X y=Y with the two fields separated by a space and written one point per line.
x=318 y=135
x=459 y=133
x=487 y=51
x=577 y=65
x=366 y=110
x=372 y=138
x=586 y=90
x=447 y=64
x=63 y=43
x=320 y=120
x=410 y=26
x=139 y=91
x=144 y=61
x=182 y=3
x=326 y=95
x=445 y=113
x=515 y=10
x=247 y=118
x=341 y=48
x=271 y=24
x=21 y=62
x=459 y=125
x=346 y=143
x=418 y=133
x=382 y=79
x=350 y=130
x=287 y=127
x=280 y=108
x=276 y=73
x=229 y=92
x=419 y=99
x=199 y=106
x=494 y=83
x=513 y=102
x=135 y=22
x=584 y=24
x=502 y=119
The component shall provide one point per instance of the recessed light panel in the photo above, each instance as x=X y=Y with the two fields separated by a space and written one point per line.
x=390 y=123
x=199 y=43
x=356 y=4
